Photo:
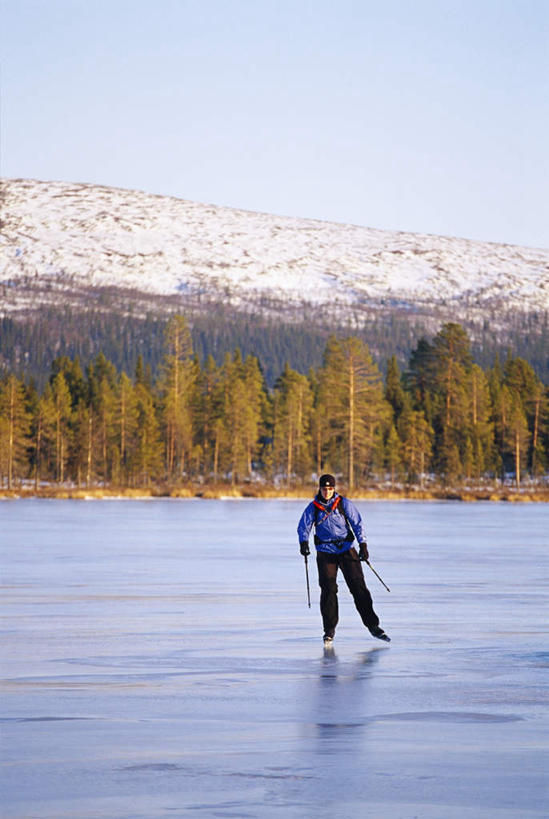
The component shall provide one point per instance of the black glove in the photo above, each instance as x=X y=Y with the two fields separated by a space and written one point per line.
x=363 y=551
x=304 y=547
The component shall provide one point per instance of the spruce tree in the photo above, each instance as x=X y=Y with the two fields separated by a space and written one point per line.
x=394 y=392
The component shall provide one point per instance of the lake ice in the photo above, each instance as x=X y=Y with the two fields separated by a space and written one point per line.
x=159 y=660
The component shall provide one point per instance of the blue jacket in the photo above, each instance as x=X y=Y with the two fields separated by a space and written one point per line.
x=331 y=531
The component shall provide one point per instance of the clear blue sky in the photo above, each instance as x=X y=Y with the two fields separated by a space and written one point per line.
x=399 y=114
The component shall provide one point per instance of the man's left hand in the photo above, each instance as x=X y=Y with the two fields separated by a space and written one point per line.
x=363 y=551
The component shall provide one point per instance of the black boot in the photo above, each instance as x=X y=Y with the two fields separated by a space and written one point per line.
x=380 y=634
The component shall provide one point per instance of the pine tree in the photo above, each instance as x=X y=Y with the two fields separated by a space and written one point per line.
x=57 y=427
x=14 y=428
x=73 y=375
x=126 y=423
x=234 y=434
x=257 y=406
x=147 y=454
x=293 y=402
x=502 y=401
x=540 y=400
x=351 y=401
x=393 y=455
x=498 y=400
x=208 y=410
x=417 y=436
x=36 y=432
x=480 y=439
x=143 y=374
x=180 y=373
x=318 y=428
x=105 y=413
x=523 y=383
x=98 y=428
x=84 y=443
x=241 y=405
x=517 y=435
x=450 y=364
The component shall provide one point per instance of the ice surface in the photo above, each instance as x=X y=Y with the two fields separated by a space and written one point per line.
x=159 y=660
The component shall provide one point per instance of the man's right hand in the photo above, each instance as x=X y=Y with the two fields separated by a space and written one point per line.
x=304 y=547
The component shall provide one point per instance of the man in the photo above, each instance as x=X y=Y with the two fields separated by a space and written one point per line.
x=335 y=520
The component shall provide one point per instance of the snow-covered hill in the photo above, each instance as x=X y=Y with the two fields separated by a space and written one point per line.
x=86 y=235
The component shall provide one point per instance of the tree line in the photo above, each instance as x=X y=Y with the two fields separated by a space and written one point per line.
x=29 y=343
x=276 y=333
x=443 y=415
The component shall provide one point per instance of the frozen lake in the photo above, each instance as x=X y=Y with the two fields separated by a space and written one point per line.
x=159 y=660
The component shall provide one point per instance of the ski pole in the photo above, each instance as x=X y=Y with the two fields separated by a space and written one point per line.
x=376 y=574
x=307 y=576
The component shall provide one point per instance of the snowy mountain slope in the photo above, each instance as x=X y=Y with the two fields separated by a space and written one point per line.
x=87 y=235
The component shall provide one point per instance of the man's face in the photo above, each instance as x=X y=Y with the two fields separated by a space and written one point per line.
x=327 y=492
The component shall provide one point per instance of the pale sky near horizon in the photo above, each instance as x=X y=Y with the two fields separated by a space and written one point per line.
x=419 y=116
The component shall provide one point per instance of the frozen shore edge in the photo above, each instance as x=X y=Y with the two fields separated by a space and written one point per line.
x=220 y=492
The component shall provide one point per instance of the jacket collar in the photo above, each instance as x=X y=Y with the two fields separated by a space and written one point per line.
x=327 y=504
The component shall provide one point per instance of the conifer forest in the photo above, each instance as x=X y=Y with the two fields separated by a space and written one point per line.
x=442 y=417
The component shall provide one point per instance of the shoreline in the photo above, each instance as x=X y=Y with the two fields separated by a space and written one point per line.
x=502 y=494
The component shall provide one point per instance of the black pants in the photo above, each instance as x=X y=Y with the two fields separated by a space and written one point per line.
x=351 y=567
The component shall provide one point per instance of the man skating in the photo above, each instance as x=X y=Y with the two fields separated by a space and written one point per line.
x=337 y=521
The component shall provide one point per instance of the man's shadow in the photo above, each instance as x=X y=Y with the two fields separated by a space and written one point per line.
x=364 y=664
x=341 y=691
